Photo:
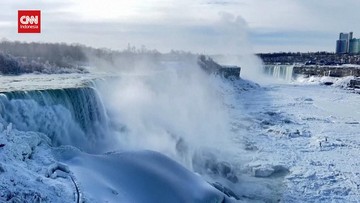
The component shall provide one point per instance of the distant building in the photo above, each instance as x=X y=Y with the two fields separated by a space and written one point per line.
x=343 y=44
x=346 y=44
x=346 y=36
x=341 y=47
x=354 y=47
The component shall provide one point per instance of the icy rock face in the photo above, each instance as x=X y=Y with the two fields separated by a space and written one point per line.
x=23 y=160
x=225 y=190
x=207 y=163
x=268 y=170
x=211 y=67
x=263 y=171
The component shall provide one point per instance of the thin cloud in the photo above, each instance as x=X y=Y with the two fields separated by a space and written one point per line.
x=197 y=25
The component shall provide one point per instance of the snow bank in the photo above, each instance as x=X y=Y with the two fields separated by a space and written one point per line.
x=137 y=176
x=30 y=173
x=24 y=161
x=334 y=81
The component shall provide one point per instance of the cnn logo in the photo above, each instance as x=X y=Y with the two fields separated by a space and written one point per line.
x=29 y=21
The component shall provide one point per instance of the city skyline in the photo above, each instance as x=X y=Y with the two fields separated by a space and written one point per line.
x=347 y=44
x=202 y=26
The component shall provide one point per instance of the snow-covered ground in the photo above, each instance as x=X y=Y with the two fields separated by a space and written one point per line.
x=309 y=132
x=289 y=142
x=341 y=82
x=30 y=82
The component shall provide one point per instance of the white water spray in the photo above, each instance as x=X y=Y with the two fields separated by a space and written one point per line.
x=176 y=110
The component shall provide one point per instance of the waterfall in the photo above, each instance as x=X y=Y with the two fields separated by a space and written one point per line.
x=74 y=116
x=284 y=72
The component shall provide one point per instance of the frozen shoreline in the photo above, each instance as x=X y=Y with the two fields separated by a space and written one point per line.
x=313 y=132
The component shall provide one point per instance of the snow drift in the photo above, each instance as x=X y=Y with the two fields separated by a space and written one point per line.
x=137 y=176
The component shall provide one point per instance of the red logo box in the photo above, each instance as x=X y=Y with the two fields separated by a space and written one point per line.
x=29 y=21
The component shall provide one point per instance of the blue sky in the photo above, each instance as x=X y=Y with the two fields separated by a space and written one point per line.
x=203 y=26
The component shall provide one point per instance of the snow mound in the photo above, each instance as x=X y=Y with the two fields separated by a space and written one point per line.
x=30 y=171
x=137 y=176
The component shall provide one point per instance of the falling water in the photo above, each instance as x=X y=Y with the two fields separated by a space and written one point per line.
x=284 y=72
